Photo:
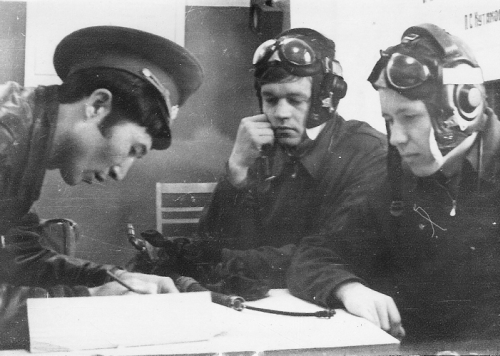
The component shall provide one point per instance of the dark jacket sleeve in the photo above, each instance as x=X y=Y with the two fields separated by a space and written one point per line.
x=348 y=244
x=266 y=262
x=230 y=217
x=25 y=261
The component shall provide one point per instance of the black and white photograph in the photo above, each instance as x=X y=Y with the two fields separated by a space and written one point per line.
x=249 y=177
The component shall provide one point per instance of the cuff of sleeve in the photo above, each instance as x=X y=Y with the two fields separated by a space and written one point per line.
x=243 y=186
x=37 y=292
x=117 y=270
x=81 y=291
x=232 y=195
x=332 y=300
x=60 y=291
x=226 y=180
x=321 y=289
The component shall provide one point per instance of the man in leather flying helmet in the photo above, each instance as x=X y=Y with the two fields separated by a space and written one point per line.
x=437 y=215
x=444 y=174
x=298 y=174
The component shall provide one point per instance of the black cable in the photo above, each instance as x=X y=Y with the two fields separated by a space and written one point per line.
x=327 y=313
x=188 y=284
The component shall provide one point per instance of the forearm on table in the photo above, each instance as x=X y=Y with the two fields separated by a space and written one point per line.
x=316 y=273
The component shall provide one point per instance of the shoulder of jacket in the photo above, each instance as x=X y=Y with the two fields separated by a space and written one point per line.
x=361 y=133
x=9 y=89
x=16 y=104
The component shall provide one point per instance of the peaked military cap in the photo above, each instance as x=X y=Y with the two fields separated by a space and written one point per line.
x=132 y=50
x=172 y=69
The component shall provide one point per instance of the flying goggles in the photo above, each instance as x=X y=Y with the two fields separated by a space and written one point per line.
x=415 y=78
x=404 y=72
x=295 y=56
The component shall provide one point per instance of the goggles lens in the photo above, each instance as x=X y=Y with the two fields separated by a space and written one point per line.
x=405 y=72
x=297 y=52
x=289 y=50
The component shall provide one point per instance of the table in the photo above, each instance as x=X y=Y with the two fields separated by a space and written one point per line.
x=250 y=332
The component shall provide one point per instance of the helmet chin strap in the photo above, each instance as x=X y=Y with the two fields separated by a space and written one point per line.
x=451 y=161
x=450 y=158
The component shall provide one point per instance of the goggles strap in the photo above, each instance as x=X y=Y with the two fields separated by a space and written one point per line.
x=379 y=67
x=395 y=175
x=332 y=66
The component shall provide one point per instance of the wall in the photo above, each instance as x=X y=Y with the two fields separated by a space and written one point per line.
x=12 y=41
x=361 y=28
x=164 y=18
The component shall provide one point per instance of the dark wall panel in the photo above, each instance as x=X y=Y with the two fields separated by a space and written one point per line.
x=221 y=38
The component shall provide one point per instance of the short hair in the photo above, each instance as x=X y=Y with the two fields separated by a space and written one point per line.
x=134 y=99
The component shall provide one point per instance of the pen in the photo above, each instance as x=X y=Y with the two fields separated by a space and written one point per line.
x=116 y=279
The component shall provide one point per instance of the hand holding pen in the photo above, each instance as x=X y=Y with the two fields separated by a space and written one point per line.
x=134 y=283
x=116 y=279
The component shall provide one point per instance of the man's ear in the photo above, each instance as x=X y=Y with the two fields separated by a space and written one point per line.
x=98 y=104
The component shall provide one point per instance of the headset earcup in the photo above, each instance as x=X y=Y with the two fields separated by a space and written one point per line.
x=326 y=94
x=468 y=99
x=339 y=87
x=333 y=86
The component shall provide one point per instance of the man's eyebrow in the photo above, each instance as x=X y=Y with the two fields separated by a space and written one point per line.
x=288 y=95
x=405 y=111
x=267 y=92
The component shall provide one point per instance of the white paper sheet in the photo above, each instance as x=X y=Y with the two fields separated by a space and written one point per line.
x=66 y=324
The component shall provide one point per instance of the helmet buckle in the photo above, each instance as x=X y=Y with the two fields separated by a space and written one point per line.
x=328 y=103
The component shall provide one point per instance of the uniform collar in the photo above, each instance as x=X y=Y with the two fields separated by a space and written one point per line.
x=313 y=133
x=44 y=122
x=312 y=151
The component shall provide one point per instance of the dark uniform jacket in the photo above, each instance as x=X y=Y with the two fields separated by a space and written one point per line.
x=447 y=247
x=321 y=192
x=27 y=124
x=443 y=252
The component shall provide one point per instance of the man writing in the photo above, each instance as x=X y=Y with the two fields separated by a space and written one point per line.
x=120 y=90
